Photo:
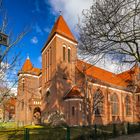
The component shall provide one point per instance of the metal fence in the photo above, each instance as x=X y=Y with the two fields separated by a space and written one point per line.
x=96 y=132
x=12 y=134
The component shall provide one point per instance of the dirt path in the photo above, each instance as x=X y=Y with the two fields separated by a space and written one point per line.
x=128 y=137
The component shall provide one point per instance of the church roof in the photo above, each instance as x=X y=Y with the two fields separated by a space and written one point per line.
x=28 y=68
x=60 y=27
x=128 y=75
x=74 y=92
x=101 y=74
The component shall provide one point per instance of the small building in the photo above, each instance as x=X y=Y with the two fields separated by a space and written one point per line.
x=7 y=109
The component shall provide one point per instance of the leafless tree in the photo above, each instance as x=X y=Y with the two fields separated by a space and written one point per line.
x=111 y=27
x=8 y=58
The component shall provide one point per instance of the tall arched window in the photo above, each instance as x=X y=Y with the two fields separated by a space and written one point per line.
x=69 y=50
x=64 y=53
x=73 y=110
x=114 y=104
x=98 y=101
x=127 y=105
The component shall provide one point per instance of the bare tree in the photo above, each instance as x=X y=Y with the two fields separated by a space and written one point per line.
x=8 y=59
x=111 y=27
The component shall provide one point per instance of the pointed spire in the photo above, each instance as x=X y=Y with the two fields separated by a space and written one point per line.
x=60 y=12
x=62 y=28
x=28 y=56
x=27 y=66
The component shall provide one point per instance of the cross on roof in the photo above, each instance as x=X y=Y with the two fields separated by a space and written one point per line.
x=60 y=12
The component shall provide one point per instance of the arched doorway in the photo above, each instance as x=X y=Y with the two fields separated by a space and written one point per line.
x=37 y=115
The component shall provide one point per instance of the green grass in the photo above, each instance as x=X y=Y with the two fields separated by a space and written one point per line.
x=7 y=125
x=37 y=132
x=34 y=126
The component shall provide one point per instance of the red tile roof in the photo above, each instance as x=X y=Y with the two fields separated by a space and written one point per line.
x=29 y=69
x=101 y=74
x=27 y=66
x=12 y=101
x=60 y=27
x=128 y=75
x=74 y=92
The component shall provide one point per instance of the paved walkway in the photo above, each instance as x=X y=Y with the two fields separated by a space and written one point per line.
x=128 y=137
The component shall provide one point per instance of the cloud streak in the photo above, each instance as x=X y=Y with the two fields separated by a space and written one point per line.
x=38 y=29
x=34 y=40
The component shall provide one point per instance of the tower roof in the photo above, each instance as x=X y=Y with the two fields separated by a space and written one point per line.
x=27 y=66
x=60 y=27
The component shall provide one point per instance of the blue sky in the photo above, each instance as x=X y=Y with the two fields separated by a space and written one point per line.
x=35 y=15
x=39 y=16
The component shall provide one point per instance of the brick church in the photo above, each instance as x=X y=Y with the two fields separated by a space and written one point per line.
x=83 y=93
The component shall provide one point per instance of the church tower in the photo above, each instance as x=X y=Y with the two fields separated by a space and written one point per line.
x=58 y=66
x=29 y=93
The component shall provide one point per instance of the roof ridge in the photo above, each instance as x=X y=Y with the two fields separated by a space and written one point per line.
x=68 y=91
x=95 y=67
x=132 y=68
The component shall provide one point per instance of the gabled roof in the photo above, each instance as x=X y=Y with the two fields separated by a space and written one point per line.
x=29 y=69
x=74 y=92
x=60 y=27
x=100 y=74
x=128 y=75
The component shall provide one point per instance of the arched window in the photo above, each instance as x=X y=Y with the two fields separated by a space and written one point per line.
x=127 y=105
x=98 y=101
x=23 y=82
x=22 y=104
x=47 y=96
x=114 y=104
x=73 y=111
x=64 y=53
x=69 y=50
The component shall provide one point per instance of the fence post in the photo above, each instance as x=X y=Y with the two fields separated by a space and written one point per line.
x=26 y=134
x=68 y=133
x=128 y=128
x=95 y=131
x=114 y=130
x=139 y=127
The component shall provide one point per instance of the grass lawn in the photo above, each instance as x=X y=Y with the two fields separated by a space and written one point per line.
x=6 y=125
x=10 y=131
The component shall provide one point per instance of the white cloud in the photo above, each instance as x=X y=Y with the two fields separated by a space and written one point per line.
x=34 y=40
x=38 y=29
x=113 y=65
x=71 y=9
x=13 y=91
